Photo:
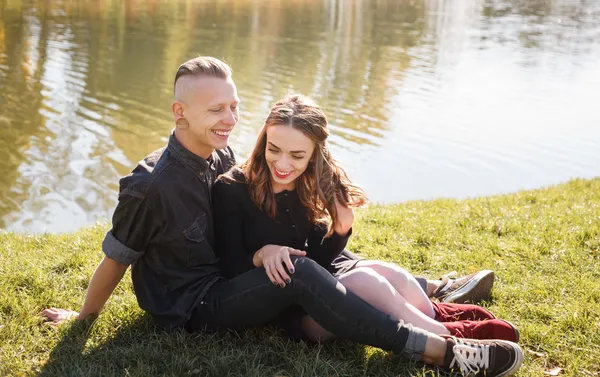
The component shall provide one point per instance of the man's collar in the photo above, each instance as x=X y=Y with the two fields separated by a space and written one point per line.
x=188 y=159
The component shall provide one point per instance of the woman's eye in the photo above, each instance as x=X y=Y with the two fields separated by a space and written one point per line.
x=272 y=150
x=297 y=157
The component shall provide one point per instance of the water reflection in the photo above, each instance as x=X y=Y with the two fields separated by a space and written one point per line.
x=459 y=99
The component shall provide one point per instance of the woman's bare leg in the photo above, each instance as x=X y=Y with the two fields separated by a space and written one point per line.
x=377 y=291
x=403 y=282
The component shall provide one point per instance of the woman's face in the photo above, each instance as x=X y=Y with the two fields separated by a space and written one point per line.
x=287 y=153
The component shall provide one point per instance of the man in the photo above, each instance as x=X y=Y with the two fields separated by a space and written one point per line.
x=163 y=227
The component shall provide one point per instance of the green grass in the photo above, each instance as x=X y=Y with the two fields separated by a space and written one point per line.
x=544 y=246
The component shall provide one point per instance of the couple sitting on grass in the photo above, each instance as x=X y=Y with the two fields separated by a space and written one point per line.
x=217 y=246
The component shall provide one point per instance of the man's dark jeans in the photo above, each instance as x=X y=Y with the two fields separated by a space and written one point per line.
x=251 y=299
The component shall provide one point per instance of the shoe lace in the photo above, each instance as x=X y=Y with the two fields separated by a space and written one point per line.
x=470 y=357
x=446 y=283
x=448 y=277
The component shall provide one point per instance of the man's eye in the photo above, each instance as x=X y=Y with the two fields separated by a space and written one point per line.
x=216 y=111
x=234 y=108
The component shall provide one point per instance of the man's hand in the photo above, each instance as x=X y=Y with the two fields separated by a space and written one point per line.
x=56 y=316
x=345 y=218
x=273 y=258
x=106 y=277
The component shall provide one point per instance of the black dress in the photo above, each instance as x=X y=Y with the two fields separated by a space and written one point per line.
x=241 y=229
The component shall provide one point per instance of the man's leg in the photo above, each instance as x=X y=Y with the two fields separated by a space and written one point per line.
x=251 y=299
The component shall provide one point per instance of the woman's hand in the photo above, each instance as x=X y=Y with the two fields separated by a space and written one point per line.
x=345 y=218
x=273 y=258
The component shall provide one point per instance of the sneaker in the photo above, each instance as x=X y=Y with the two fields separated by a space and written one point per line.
x=489 y=358
x=471 y=288
x=451 y=312
x=490 y=329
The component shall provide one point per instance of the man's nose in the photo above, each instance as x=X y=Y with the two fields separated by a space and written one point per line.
x=230 y=118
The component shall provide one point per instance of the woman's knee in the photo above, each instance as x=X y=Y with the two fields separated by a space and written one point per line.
x=362 y=276
x=391 y=272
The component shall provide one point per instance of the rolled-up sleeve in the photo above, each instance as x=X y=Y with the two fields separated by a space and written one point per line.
x=133 y=226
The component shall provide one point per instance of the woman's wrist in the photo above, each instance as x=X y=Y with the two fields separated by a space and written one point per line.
x=342 y=230
x=257 y=258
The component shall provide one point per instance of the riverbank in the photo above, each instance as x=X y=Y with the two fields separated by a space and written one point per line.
x=544 y=246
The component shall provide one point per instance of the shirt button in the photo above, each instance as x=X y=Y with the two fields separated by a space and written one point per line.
x=293 y=226
x=287 y=210
x=285 y=194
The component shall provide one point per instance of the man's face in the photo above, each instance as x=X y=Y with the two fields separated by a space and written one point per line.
x=210 y=105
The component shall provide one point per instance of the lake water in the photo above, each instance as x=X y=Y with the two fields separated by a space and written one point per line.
x=425 y=98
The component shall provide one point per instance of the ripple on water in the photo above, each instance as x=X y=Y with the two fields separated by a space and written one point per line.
x=452 y=99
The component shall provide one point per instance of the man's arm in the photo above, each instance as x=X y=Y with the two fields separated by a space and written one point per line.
x=134 y=224
x=107 y=276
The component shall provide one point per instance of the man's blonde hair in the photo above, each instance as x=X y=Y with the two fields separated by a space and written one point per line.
x=203 y=65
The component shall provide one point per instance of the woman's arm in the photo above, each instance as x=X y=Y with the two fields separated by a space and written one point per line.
x=324 y=250
x=236 y=257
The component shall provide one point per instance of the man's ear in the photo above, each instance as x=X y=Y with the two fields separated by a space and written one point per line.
x=178 y=110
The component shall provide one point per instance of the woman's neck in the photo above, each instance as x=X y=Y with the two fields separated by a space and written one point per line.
x=278 y=187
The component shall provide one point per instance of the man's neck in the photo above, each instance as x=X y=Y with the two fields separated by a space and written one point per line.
x=187 y=141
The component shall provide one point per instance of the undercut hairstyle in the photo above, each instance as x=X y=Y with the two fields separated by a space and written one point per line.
x=203 y=66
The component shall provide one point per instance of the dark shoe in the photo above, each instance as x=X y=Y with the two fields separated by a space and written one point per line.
x=489 y=358
x=451 y=312
x=491 y=329
x=471 y=288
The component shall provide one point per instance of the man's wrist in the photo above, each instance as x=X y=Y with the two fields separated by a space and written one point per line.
x=86 y=316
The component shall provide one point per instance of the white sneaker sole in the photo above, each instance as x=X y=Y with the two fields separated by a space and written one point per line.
x=477 y=289
x=518 y=361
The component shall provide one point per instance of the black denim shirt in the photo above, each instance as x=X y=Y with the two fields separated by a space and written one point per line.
x=163 y=226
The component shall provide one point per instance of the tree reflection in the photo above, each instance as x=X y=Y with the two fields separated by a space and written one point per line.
x=541 y=24
x=87 y=86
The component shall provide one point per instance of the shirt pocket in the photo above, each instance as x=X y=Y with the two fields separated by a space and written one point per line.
x=197 y=249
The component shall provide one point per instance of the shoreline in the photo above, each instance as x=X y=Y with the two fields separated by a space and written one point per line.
x=543 y=245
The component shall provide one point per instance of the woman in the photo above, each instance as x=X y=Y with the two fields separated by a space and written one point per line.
x=292 y=193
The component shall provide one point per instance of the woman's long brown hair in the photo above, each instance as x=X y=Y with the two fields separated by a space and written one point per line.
x=323 y=179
